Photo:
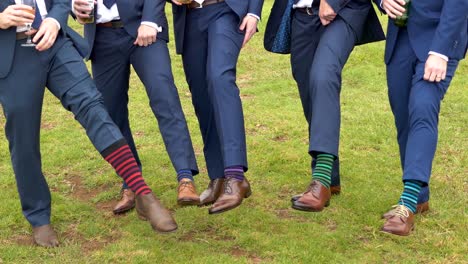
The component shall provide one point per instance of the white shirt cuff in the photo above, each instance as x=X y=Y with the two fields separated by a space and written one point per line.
x=55 y=20
x=439 y=55
x=381 y=2
x=254 y=15
x=73 y=6
x=153 y=25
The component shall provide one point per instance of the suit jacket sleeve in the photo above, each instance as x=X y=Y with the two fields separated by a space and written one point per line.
x=255 y=7
x=59 y=10
x=337 y=5
x=452 y=19
x=153 y=11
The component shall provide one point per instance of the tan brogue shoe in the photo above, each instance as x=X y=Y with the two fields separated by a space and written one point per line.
x=334 y=190
x=45 y=236
x=149 y=208
x=314 y=199
x=186 y=193
x=232 y=194
x=400 y=223
x=420 y=208
x=211 y=194
x=126 y=203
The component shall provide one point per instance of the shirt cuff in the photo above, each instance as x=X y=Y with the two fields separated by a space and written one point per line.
x=73 y=6
x=381 y=2
x=445 y=58
x=153 y=25
x=55 y=20
x=254 y=15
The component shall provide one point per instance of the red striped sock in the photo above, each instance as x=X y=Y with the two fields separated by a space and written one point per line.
x=122 y=160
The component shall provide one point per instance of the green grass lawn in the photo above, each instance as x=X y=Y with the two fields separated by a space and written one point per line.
x=265 y=228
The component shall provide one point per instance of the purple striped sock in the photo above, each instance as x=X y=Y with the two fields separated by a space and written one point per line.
x=236 y=172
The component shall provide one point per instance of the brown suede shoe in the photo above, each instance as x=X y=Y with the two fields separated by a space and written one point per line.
x=187 y=194
x=45 y=236
x=420 y=208
x=334 y=190
x=211 y=194
x=400 y=223
x=126 y=203
x=149 y=208
x=232 y=194
x=314 y=199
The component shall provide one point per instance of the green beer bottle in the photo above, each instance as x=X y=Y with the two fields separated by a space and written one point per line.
x=401 y=21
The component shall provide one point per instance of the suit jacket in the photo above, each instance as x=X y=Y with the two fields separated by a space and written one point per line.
x=436 y=25
x=240 y=7
x=57 y=9
x=132 y=13
x=359 y=14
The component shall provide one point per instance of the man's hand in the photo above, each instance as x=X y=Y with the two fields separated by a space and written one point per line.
x=326 y=13
x=146 y=36
x=435 y=69
x=47 y=34
x=15 y=16
x=82 y=10
x=249 y=26
x=393 y=8
x=176 y=2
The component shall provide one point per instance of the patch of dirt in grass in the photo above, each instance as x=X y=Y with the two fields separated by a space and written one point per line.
x=256 y=130
x=206 y=233
x=331 y=225
x=139 y=134
x=48 y=125
x=253 y=258
x=23 y=240
x=286 y=214
x=247 y=96
x=88 y=245
x=281 y=138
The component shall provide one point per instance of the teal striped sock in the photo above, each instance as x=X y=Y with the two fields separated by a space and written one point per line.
x=323 y=169
x=409 y=197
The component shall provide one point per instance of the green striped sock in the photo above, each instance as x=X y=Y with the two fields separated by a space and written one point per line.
x=323 y=169
x=409 y=197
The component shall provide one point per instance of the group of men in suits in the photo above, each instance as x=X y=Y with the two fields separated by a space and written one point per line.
x=209 y=36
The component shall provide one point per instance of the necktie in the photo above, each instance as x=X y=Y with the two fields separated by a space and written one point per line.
x=37 y=19
x=109 y=3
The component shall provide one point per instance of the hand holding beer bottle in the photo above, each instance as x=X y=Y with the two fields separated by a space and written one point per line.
x=402 y=20
x=84 y=10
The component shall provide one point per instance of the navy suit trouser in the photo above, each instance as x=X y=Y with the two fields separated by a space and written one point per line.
x=318 y=55
x=21 y=95
x=113 y=54
x=212 y=45
x=415 y=105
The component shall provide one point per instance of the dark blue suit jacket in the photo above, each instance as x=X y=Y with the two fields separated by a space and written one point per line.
x=436 y=25
x=240 y=7
x=132 y=13
x=57 y=9
x=359 y=14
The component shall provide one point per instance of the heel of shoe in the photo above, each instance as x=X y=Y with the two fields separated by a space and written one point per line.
x=248 y=194
x=327 y=203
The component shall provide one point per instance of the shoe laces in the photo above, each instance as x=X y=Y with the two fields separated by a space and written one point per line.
x=401 y=210
x=186 y=184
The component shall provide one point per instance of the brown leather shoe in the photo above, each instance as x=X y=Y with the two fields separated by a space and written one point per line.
x=232 y=193
x=45 y=236
x=126 y=203
x=211 y=194
x=420 y=208
x=149 y=208
x=187 y=194
x=400 y=223
x=314 y=199
x=334 y=190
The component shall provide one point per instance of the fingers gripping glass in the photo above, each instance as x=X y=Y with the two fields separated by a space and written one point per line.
x=31 y=3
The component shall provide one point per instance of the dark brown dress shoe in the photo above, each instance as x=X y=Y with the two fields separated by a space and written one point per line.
x=420 y=208
x=400 y=223
x=232 y=194
x=149 y=208
x=186 y=193
x=45 y=236
x=126 y=203
x=314 y=199
x=211 y=194
x=335 y=190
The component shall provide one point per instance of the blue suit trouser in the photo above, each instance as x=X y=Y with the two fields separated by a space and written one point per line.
x=212 y=45
x=318 y=55
x=415 y=105
x=21 y=95
x=113 y=54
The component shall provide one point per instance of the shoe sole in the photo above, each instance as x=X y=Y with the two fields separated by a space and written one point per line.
x=308 y=209
x=185 y=202
x=123 y=211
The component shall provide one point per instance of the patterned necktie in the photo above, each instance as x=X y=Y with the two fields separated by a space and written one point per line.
x=109 y=3
x=37 y=19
